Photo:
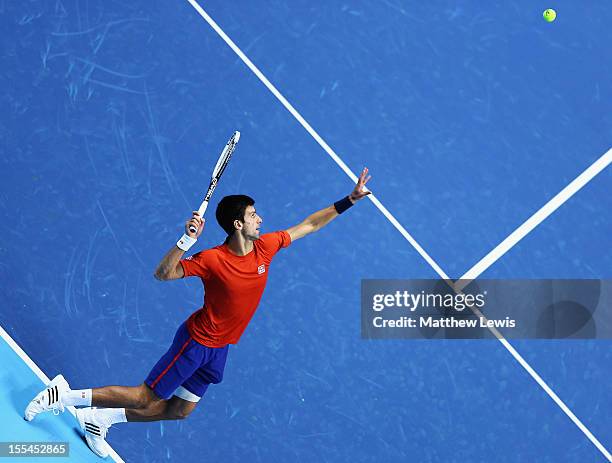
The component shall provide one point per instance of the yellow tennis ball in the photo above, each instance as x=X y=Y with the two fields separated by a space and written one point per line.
x=549 y=15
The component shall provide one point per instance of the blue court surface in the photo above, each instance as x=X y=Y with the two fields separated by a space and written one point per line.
x=19 y=382
x=471 y=116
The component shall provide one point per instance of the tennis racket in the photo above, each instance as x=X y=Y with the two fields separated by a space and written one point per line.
x=222 y=163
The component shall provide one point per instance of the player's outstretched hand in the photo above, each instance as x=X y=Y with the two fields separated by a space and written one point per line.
x=360 y=190
x=197 y=222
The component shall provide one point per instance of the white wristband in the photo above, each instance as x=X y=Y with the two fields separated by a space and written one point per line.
x=186 y=242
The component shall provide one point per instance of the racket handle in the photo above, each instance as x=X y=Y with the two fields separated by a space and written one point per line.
x=201 y=212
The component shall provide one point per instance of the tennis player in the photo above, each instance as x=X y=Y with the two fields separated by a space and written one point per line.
x=234 y=275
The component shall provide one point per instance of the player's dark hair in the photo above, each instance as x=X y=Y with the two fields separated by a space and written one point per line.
x=232 y=208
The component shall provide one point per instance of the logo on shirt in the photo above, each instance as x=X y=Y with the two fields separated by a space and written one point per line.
x=261 y=269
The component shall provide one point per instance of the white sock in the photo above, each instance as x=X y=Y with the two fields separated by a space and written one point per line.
x=78 y=397
x=110 y=416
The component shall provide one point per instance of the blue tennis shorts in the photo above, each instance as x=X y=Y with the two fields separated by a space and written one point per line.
x=187 y=368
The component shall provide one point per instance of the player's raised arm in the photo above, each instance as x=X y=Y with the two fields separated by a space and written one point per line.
x=170 y=268
x=319 y=219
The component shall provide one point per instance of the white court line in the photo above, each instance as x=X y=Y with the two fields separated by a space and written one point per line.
x=385 y=212
x=538 y=379
x=43 y=377
x=537 y=218
x=542 y=214
x=315 y=135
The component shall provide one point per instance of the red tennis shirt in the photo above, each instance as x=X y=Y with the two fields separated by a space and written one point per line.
x=233 y=286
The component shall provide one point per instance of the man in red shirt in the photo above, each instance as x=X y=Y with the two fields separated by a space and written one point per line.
x=234 y=275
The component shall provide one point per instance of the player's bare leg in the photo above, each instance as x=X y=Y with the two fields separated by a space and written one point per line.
x=135 y=397
x=173 y=409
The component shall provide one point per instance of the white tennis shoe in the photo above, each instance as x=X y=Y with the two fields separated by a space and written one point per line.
x=50 y=399
x=94 y=430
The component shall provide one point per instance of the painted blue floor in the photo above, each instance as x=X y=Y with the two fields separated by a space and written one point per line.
x=20 y=385
x=470 y=117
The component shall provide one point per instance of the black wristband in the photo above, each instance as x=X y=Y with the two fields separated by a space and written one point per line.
x=343 y=205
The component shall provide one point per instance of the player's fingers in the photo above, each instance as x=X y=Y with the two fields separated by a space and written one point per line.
x=200 y=229
x=191 y=226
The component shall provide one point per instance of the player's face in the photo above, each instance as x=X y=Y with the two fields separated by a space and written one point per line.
x=251 y=223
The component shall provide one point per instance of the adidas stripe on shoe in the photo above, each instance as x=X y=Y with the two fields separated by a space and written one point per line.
x=50 y=399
